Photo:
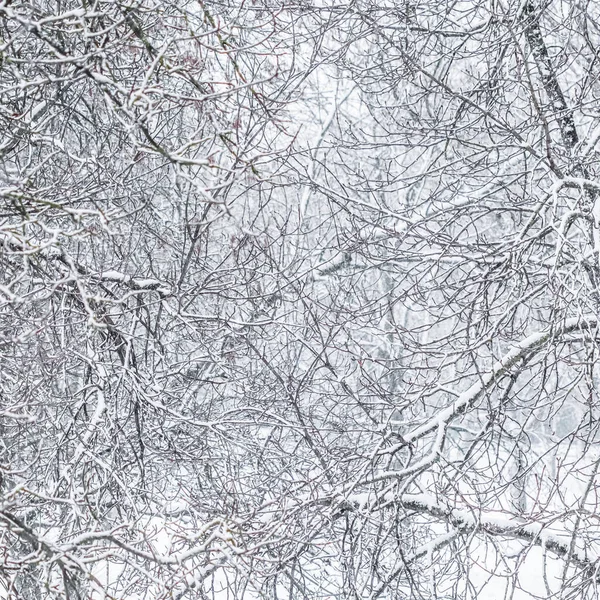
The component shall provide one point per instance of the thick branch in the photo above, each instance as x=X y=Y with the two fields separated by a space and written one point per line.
x=505 y=525
x=504 y=366
x=562 y=113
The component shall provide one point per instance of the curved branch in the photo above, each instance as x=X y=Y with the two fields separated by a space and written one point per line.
x=504 y=366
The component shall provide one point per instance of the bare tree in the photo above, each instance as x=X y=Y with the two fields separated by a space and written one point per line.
x=299 y=299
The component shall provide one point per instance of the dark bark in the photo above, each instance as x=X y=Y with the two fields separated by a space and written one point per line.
x=560 y=109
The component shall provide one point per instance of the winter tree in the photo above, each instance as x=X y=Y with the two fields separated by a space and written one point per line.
x=299 y=299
